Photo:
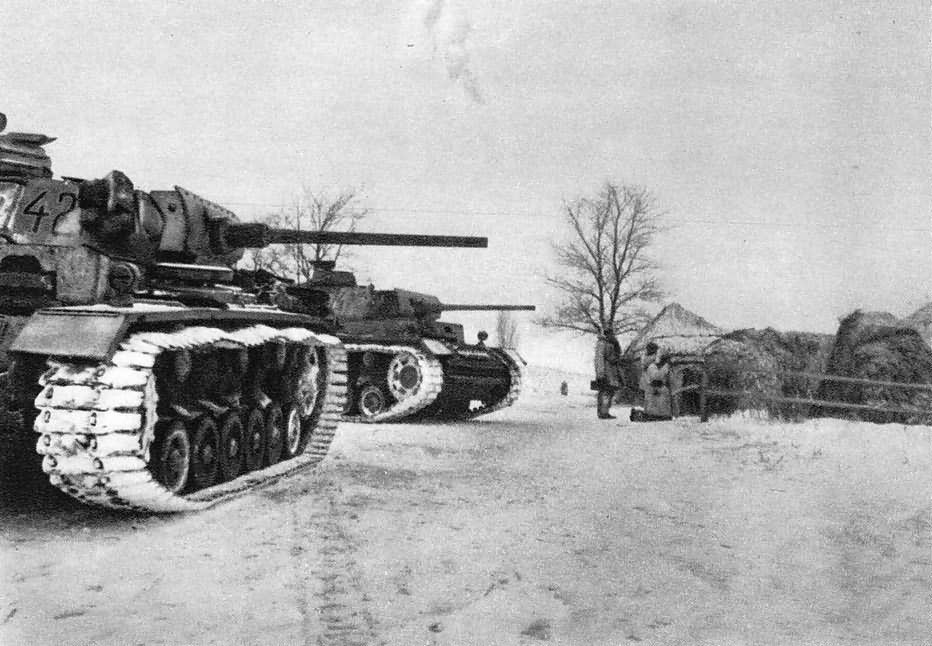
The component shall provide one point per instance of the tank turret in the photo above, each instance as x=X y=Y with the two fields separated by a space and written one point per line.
x=352 y=302
x=73 y=241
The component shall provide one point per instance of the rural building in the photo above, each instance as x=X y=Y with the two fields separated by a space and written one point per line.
x=683 y=336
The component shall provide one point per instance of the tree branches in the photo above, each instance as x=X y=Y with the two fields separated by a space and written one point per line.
x=607 y=276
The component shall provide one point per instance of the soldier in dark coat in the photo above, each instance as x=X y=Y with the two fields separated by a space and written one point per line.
x=607 y=380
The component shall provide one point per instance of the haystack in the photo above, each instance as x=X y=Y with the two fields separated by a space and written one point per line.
x=757 y=363
x=921 y=321
x=867 y=349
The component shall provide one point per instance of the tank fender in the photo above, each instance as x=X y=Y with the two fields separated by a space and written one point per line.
x=72 y=333
x=437 y=348
x=514 y=355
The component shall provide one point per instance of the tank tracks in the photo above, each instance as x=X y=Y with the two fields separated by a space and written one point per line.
x=432 y=384
x=428 y=390
x=515 y=375
x=96 y=423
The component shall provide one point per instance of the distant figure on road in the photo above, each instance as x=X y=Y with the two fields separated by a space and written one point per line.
x=607 y=356
x=564 y=389
x=655 y=384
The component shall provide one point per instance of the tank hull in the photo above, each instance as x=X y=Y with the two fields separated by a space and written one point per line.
x=421 y=378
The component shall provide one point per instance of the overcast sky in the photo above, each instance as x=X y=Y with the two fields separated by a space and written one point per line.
x=788 y=142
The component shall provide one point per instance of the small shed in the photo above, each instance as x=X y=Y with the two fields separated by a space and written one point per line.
x=681 y=335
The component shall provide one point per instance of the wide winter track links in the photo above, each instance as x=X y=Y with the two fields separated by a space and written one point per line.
x=514 y=387
x=96 y=423
x=432 y=383
x=428 y=390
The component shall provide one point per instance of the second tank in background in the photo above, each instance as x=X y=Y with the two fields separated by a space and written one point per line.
x=404 y=362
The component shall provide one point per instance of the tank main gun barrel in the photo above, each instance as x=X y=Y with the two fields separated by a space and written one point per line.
x=451 y=307
x=257 y=234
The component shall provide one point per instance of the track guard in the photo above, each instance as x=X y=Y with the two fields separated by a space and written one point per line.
x=71 y=333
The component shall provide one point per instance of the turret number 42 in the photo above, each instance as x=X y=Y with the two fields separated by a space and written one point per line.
x=44 y=206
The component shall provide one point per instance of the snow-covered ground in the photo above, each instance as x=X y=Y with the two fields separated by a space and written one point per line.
x=537 y=524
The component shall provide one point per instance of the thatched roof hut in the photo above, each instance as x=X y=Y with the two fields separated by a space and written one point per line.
x=677 y=331
x=866 y=348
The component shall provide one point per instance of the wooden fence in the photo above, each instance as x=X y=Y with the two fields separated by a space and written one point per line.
x=705 y=392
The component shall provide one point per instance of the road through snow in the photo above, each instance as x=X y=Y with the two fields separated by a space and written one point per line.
x=538 y=524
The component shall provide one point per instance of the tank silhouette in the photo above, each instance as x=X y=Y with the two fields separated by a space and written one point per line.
x=403 y=361
x=145 y=369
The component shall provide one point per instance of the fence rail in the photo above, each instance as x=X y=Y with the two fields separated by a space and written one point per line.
x=839 y=378
x=824 y=403
x=705 y=392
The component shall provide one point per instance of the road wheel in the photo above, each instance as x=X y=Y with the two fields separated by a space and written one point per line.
x=254 y=439
x=274 y=434
x=173 y=458
x=294 y=442
x=230 y=457
x=205 y=452
x=371 y=401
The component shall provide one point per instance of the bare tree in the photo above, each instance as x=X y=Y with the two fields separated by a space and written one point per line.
x=607 y=278
x=311 y=211
x=506 y=329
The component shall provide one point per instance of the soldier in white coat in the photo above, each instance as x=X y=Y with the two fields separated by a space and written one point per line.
x=655 y=383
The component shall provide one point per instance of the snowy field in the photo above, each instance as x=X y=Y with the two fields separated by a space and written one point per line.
x=540 y=524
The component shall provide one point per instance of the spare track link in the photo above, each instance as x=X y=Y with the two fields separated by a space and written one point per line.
x=96 y=422
x=431 y=383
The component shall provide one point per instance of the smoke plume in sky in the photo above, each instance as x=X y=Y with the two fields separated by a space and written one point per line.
x=446 y=29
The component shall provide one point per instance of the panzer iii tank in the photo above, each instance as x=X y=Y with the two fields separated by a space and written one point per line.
x=404 y=362
x=143 y=367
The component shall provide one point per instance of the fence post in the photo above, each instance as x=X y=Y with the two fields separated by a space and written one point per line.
x=703 y=401
x=673 y=386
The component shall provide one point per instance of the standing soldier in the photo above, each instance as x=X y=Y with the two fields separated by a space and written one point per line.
x=607 y=356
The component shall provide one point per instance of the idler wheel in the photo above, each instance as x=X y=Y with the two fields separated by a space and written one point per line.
x=274 y=434
x=294 y=442
x=231 y=447
x=372 y=401
x=173 y=458
x=254 y=439
x=404 y=375
x=205 y=453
